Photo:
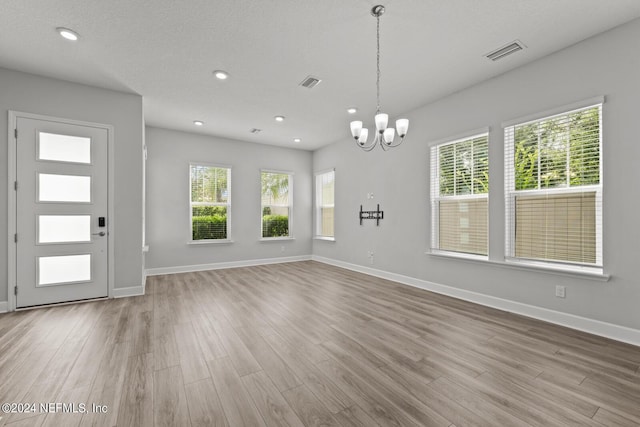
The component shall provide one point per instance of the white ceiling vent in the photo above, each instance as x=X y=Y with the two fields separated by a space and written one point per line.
x=507 y=50
x=310 y=82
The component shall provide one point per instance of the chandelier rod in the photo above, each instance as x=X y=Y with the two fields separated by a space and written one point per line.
x=378 y=60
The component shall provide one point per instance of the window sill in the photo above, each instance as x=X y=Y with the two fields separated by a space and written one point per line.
x=561 y=270
x=459 y=255
x=328 y=239
x=276 y=239
x=210 y=242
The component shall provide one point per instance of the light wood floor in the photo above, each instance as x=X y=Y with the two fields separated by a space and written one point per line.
x=306 y=344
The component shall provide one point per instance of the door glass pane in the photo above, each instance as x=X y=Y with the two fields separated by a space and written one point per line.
x=64 y=228
x=64 y=269
x=64 y=148
x=64 y=188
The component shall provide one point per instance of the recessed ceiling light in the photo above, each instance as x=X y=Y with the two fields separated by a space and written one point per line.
x=198 y=122
x=68 y=34
x=221 y=75
x=297 y=140
x=352 y=110
x=279 y=118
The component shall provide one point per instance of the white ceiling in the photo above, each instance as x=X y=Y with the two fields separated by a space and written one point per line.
x=166 y=50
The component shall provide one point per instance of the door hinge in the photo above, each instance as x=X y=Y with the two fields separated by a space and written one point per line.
x=15 y=237
x=15 y=133
x=15 y=185
x=15 y=290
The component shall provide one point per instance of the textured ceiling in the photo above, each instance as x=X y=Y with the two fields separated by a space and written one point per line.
x=165 y=50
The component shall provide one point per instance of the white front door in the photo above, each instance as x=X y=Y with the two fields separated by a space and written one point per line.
x=61 y=212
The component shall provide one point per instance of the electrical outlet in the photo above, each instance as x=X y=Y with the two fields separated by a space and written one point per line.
x=561 y=291
x=281 y=248
x=370 y=255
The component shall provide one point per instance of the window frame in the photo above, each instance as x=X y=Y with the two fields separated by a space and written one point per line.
x=437 y=198
x=319 y=205
x=290 y=206
x=511 y=193
x=228 y=205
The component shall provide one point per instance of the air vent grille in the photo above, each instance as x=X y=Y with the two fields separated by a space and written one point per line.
x=310 y=82
x=507 y=50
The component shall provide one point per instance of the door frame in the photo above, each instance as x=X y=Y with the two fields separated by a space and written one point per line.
x=12 y=198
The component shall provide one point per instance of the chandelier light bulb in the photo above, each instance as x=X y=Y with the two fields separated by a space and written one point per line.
x=356 y=128
x=364 y=135
x=389 y=134
x=381 y=122
x=402 y=125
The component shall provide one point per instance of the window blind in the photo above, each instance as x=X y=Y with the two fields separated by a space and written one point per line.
x=553 y=188
x=325 y=204
x=459 y=195
x=210 y=202
x=276 y=195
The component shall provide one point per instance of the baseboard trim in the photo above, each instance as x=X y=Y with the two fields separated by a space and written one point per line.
x=596 y=327
x=4 y=306
x=220 y=265
x=128 y=292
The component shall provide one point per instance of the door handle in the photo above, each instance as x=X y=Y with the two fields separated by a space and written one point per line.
x=102 y=233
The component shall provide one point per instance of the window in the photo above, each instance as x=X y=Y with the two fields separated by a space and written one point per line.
x=459 y=195
x=553 y=188
x=325 y=188
x=276 y=204
x=210 y=202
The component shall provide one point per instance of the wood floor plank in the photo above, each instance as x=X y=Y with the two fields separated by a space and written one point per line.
x=238 y=406
x=192 y=361
x=142 y=334
x=608 y=418
x=108 y=385
x=165 y=350
x=205 y=408
x=136 y=403
x=272 y=405
x=309 y=408
x=320 y=385
x=169 y=400
x=367 y=397
x=239 y=354
x=281 y=375
x=353 y=416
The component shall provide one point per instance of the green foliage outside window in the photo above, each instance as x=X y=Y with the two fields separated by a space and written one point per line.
x=464 y=167
x=558 y=152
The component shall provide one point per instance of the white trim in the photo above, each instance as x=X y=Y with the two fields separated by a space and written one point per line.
x=4 y=306
x=229 y=264
x=322 y=172
x=12 y=202
x=325 y=238
x=210 y=242
x=542 y=267
x=128 y=292
x=460 y=137
x=564 y=109
x=596 y=327
x=276 y=239
x=458 y=255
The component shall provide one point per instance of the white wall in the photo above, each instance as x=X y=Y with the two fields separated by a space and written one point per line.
x=607 y=65
x=167 y=231
x=40 y=95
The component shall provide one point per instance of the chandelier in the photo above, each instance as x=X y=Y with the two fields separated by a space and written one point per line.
x=384 y=136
